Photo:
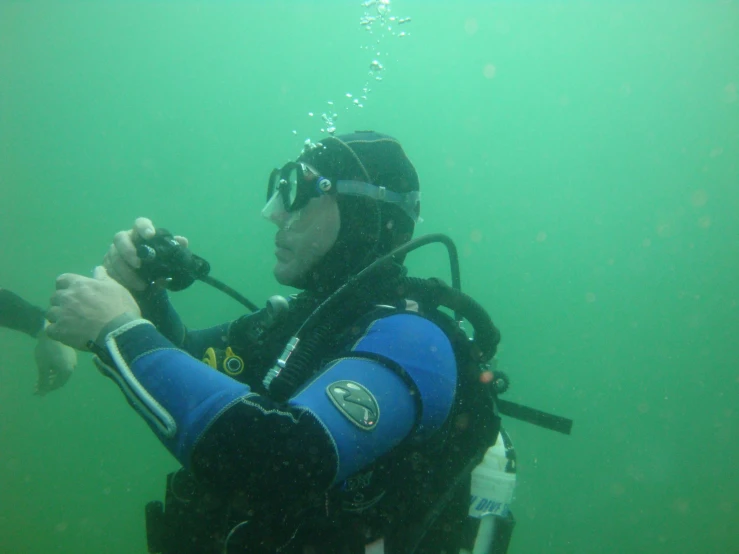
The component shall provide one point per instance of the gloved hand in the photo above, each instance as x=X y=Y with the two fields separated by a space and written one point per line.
x=55 y=363
x=121 y=260
x=82 y=306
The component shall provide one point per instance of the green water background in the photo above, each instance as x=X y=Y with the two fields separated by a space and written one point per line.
x=583 y=156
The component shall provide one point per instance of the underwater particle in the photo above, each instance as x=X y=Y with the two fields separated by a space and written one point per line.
x=403 y=34
x=589 y=297
x=331 y=130
x=476 y=235
x=541 y=236
x=404 y=20
x=310 y=114
x=295 y=132
x=617 y=489
x=664 y=230
x=486 y=377
x=646 y=243
x=61 y=527
x=730 y=93
x=681 y=505
x=699 y=198
x=348 y=94
x=716 y=152
x=470 y=26
x=489 y=71
x=704 y=222
x=462 y=421
x=382 y=7
x=643 y=408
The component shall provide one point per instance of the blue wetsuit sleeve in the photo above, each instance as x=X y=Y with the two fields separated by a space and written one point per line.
x=366 y=408
x=425 y=356
x=232 y=437
x=228 y=436
x=406 y=365
x=176 y=394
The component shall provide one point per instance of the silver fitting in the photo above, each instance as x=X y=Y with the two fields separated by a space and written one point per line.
x=292 y=344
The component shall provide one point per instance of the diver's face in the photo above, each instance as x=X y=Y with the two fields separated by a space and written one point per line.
x=304 y=237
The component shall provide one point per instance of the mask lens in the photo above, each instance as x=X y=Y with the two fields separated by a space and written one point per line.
x=272 y=183
x=274 y=206
x=291 y=192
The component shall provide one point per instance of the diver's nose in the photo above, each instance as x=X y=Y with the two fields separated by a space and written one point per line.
x=275 y=213
x=279 y=218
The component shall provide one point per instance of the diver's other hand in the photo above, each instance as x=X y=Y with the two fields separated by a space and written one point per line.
x=82 y=306
x=55 y=363
x=122 y=262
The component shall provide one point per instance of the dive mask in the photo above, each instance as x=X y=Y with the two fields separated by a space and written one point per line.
x=291 y=187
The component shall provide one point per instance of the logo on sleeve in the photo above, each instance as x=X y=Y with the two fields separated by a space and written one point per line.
x=356 y=403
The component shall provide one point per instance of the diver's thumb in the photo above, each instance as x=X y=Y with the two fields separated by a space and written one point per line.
x=100 y=273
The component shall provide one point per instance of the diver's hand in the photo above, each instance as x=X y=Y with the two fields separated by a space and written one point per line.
x=55 y=363
x=82 y=306
x=121 y=261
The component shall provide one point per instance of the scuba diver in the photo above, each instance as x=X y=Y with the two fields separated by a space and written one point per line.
x=349 y=418
x=55 y=361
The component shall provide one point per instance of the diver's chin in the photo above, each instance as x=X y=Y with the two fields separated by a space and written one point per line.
x=285 y=274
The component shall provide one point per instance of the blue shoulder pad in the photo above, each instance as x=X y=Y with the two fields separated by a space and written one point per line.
x=366 y=408
x=424 y=353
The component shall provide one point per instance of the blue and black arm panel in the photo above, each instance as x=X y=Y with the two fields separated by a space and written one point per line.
x=399 y=379
x=407 y=365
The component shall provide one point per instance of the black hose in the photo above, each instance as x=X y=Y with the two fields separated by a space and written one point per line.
x=223 y=287
x=355 y=280
x=316 y=329
x=434 y=292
